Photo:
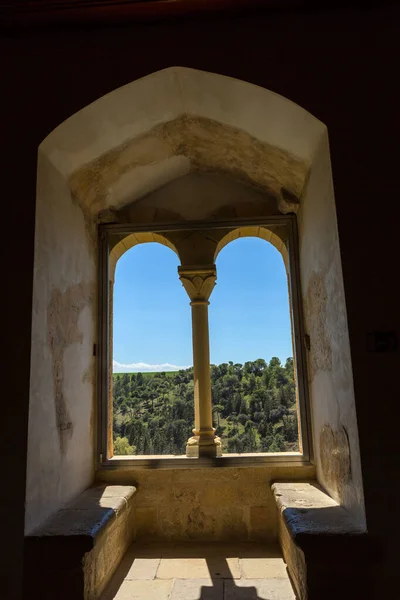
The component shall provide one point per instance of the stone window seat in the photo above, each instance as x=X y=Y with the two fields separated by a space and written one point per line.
x=328 y=555
x=75 y=552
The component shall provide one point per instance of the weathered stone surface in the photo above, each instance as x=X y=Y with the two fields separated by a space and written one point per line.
x=201 y=523
x=171 y=522
x=335 y=459
x=211 y=494
x=331 y=383
x=261 y=523
x=86 y=539
x=315 y=313
x=295 y=560
x=199 y=568
x=143 y=568
x=61 y=416
x=110 y=546
x=202 y=144
x=233 y=523
x=141 y=590
x=201 y=571
x=109 y=491
x=146 y=522
x=199 y=549
x=256 y=495
x=88 y=514
x=259 y=589
x=309 y=511
x=226 y=198
x=63 y=314
x=214 y=504
x=183 y=568
x=325 y=549
x=152 y=486
x=263 y=568
x=75 y=522
x=193 y=589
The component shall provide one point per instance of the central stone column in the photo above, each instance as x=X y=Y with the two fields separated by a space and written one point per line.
x=199 y=283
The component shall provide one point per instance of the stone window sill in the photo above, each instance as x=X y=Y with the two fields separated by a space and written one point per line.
x=289 y=459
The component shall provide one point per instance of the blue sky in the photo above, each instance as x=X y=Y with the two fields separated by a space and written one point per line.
x=249 y=308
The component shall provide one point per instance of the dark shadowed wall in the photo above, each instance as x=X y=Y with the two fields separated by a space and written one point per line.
x=342 y=67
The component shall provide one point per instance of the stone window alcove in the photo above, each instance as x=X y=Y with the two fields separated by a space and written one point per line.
x=179 y=146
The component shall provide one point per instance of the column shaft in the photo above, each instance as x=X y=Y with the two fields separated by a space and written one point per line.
x=199 y=282
x=202 y=377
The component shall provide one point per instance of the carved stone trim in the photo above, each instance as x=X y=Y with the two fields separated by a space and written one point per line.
x=198 y=282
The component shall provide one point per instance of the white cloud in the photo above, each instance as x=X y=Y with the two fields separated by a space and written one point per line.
x=143 y=367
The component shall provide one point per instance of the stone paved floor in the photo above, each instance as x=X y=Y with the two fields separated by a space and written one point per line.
x=201 y=572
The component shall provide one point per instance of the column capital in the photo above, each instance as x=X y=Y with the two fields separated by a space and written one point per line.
x=198 y=281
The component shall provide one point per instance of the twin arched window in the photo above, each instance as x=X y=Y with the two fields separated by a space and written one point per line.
x=254 y=404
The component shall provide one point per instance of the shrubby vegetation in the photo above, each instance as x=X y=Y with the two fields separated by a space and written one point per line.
x=254 y=407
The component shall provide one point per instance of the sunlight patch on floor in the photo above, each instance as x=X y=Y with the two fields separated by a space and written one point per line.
x=199 y=571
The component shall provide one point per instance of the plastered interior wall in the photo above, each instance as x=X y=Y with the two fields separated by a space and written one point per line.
x=334 y=421
x=60 y=434
x=214 y=504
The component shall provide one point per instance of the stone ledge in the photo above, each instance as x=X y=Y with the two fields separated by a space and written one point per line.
x=327 y=554
x=309 y=512
x=75 y=552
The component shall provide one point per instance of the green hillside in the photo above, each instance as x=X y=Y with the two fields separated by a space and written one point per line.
x=254 y=408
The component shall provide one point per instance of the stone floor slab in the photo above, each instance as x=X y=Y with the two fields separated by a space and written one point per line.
x=258 y=589
x=199 y=568
x=182 y=568
x=142 y=590
x=201 y=571
x=263 y=568
x=197 y=589
x=222 y=567
x=143 y=568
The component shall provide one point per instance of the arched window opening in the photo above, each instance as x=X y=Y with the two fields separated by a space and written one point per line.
x=253 y=371
x=152 y=391
x=164 y=394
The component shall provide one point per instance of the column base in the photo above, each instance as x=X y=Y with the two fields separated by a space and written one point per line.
x=201 y=448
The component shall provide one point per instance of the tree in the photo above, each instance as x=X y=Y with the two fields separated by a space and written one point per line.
x=217 y=409
x=278 y=444
x=290 y=428
x=122 y=447
x=250 y=437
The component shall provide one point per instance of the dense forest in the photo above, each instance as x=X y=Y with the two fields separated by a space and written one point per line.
x=254 y=408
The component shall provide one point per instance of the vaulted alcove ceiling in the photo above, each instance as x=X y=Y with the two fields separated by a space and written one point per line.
x=188 y=143
x=179 y=122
